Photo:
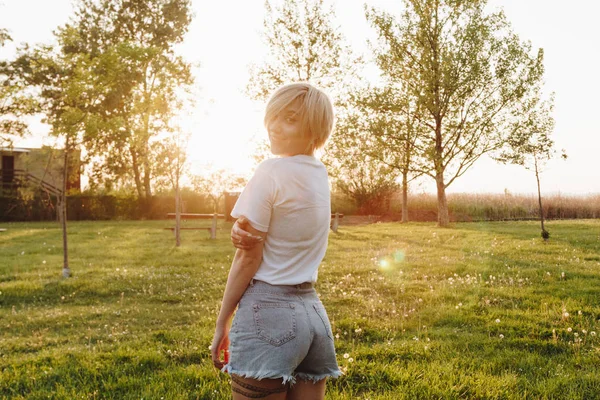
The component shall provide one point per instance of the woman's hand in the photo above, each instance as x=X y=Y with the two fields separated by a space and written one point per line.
x=220 y=344
x=240 y=237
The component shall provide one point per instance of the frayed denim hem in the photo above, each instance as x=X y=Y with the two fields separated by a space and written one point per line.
x=317 y=378
x=265 y=375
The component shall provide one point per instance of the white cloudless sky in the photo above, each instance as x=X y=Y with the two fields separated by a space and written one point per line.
x=225 y=36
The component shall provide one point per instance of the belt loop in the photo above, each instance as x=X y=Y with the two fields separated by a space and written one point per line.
x=252 y=282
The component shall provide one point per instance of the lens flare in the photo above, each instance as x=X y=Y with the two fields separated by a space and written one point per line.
x=399 y=256
x=384 y=264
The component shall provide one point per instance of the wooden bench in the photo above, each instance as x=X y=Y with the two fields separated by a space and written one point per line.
x=335 y=222
x=186 y=216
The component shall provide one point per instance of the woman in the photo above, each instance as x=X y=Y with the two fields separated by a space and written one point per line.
x=280 y=344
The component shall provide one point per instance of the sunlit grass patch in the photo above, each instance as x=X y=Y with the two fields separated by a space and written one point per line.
x=481 y=310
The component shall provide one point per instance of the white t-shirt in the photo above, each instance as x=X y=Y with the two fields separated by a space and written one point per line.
x=289 y=199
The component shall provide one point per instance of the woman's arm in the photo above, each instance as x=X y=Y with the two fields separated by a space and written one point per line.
x=240 y=237
x=244 y=266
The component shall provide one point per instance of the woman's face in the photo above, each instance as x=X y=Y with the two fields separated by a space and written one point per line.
x=286 y=135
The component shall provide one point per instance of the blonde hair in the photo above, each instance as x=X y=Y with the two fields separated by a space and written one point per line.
x=316 y=110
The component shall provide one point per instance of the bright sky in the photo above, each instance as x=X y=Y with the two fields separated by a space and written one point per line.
x=225 y=37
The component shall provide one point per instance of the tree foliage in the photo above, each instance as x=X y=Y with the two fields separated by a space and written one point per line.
x=215 y=182
x=466 y=70
x=15 y=102
x=361 y=170
x=138 y=81
x=388 y=132
x=303 y=46
x=531 y=145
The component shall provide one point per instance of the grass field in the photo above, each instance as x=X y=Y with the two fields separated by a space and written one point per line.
x=478 y=311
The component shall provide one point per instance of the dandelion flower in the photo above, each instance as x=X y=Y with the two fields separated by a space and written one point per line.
x=501 y=336
x=346 y=355
x=569 y=329
x=497 y=320
x=593 y=333
x=351 y=359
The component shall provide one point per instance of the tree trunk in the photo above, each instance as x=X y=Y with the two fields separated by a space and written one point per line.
x=537 y=177
x=136 y=173
x=404 y=196
x=147 y=188
x=66 y=272
x=443 y=217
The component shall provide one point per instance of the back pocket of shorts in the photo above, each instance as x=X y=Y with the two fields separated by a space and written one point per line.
x=275 y=322
x=320 y=309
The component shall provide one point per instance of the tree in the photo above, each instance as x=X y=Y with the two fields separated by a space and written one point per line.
x=531 y=145
x=171 y=157
x=388 y=132
x=355 y=166
x=466 y=70
x=131 y=45
x=215 y=182
x=303 y=46
x=14 y=102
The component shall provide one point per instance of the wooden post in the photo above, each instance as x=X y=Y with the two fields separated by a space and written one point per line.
x=213 y=228
x=66 y=272
x=336 y=222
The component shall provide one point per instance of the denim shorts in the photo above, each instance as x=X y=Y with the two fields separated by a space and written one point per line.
x=281 y=332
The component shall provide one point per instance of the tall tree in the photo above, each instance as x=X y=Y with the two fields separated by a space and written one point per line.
x=131 y=43
x=531 y=145
x=15 y=104
x=357 y=168
x=303 y=46
x=171 y=157
x=389 y=132
x=466 y=70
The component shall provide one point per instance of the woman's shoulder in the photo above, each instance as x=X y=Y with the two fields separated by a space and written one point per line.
x=281 y=167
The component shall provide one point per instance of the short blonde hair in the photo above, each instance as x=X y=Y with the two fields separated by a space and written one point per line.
x=316 y=110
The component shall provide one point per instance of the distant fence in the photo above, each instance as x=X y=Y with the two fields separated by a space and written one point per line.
x=102 y=207
x=421 y=207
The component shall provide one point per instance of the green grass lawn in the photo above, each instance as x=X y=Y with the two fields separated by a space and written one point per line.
x=477 y=311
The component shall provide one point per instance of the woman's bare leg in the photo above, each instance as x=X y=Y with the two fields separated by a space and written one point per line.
x=307 y=390
x=265 y=389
